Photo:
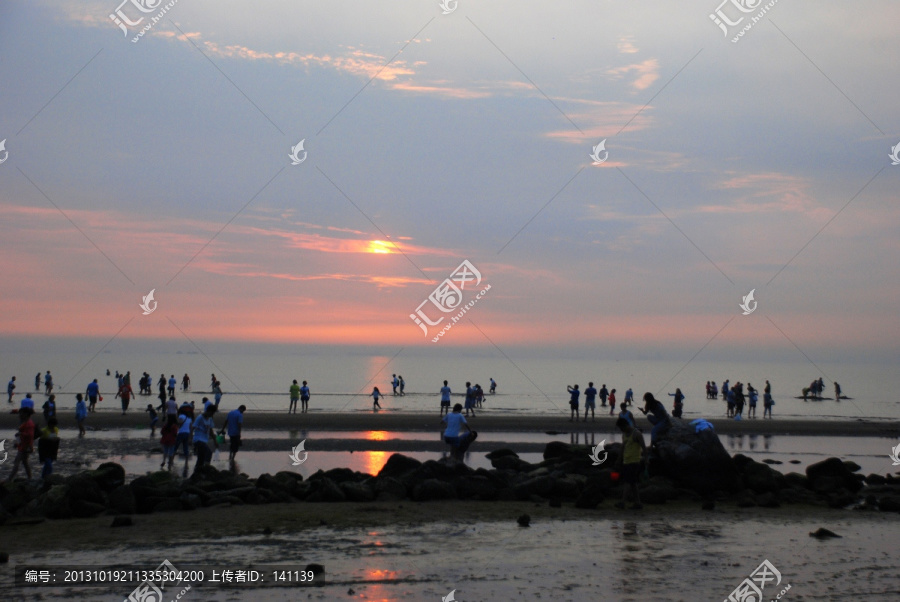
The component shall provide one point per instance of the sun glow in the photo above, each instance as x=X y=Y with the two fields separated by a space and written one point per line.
x=381 y=246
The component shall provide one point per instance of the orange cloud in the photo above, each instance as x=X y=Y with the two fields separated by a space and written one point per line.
x=647 y=72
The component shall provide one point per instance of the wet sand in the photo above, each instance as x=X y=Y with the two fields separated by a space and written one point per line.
x=386 y=421
x=407 y=551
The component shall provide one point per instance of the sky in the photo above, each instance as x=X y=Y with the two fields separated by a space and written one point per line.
x=729 y=164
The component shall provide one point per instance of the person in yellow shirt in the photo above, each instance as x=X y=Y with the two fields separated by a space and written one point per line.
x=48 y=447
x=630 y=462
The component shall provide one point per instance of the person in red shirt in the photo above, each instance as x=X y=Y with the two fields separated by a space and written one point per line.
x=25 y=444
x=126 y=393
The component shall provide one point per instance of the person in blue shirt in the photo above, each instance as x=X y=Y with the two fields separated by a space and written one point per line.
x=233 y=424
x=445 y=399
x=470 y=398
x=573 y=401
x=493 y=388
x=80 y=414
x=629 y=397
x=10 y=388
x=203 y=427
x=455 y=422
x=604 y=393
x=624 y=413
x=304 y=397
x=92 y=393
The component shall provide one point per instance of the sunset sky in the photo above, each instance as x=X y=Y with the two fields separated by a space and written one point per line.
x=164 y=164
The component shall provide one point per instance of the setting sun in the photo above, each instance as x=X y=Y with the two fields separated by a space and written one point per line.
x=380 y=246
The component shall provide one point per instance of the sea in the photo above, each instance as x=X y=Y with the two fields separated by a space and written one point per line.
x=530 y=385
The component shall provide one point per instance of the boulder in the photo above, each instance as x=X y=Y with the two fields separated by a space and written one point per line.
x=326 y=490
x=476 y=487
x=357 y=492
x=499 y=453
x=83 y=487
x=761 y=478
x=697 y=461
x=889 y=503
x=433 y=489
x=831 y=474
x=108 y=476
x=86 y=509
x=121 y=500
x=539 y=486
x=558 y=449
x=389 y=488
x=55 y=503
x=16 y=495
x=398 y=465
x=511 y=463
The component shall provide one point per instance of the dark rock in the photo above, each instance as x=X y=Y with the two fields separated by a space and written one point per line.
x=746 y=500
x=760 y=478
x=315 y=568
x=167 y=505
x=122 y=521
x=190 y=501
x=841 y=498
x=555 y=502
x=388 y=488
x=499 y=453
x=558 y=449
x=875 y=479
x=357 y=492
x=16 y=495
x=108 y=476
x=852 y=466
x=708 y=505
x=770 y=461
x=697 y=461
x=86 y=509
x=476 y=487
x=399 y=465
x=767 y=500
x=326 y=490
x=433 y=489
x=55 y=503
x=4 y=557
x=511 y=463
x=83 y=487
x=565 y=488
x=889 y=503
x=658 y=491
x=832 y=467
x=524 y=520
x=822 y=533
x=541 y=486
x=796 y=480
x=122 y=501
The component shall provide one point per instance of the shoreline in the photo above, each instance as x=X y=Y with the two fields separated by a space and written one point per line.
x=430 y=423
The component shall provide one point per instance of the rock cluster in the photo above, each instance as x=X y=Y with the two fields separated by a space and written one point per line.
x=686 y=466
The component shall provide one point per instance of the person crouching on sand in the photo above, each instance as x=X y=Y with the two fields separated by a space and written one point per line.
x=455 y=421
